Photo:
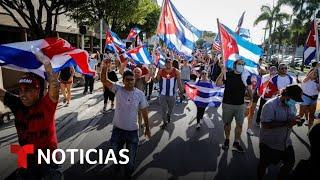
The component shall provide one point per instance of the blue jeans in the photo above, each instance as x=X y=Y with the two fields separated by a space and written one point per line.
x=121 y=137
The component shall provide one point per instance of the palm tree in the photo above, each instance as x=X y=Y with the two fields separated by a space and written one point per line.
x=269 y=15
x=303 y=10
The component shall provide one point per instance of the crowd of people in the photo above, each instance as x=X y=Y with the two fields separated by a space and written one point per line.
x=276 y=115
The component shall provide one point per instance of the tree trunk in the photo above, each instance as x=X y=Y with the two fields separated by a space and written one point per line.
x=270 y=41
x=294 y=52
x=280 y=40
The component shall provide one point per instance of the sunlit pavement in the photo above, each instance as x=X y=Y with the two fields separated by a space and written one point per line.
x=179 y=152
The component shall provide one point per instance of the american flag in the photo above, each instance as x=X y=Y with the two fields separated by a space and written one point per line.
x=216 y=43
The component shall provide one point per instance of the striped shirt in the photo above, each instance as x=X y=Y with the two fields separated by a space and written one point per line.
x=168 y=82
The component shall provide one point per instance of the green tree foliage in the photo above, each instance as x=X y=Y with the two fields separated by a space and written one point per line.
x=40 y=16
x=208 y=34
x=120 y=15
x=200 y=42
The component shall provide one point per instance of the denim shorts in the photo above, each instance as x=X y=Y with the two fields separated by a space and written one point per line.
x=307 y=101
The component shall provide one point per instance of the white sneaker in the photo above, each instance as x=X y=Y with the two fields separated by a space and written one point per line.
x=250 y=132
x=198 y=126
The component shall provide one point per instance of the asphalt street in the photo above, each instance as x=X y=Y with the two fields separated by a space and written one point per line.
x=178 y=152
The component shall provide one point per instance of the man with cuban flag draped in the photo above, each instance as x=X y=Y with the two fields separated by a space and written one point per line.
x=34 y=119
x=168 y=79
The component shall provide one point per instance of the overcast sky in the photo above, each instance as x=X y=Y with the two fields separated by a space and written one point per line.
x=203 y=14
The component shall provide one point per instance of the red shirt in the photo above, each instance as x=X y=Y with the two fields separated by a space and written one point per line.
x=35 y=124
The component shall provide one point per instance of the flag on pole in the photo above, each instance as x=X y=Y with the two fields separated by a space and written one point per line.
x=133 y=34
x=240 y=23
x=204 y=94
x=176 y=32
x=18 y=56
x=113 y=42
x=160 y=57
x=216 y=43
x=234 y=46
x=140 y=55
x=310 y=48
x=116 y=45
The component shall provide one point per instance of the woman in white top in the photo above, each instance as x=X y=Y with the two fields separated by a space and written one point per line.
x=310 y=88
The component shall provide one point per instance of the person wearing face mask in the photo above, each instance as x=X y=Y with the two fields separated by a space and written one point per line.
x=279 y=82
x=277 y=119
x=233 y=101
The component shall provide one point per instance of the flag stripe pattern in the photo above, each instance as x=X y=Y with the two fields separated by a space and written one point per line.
x=309 y=52
x=216 y=43
x=113 y=42
x=18 y=56
x=176 y=32
x=235 y=46
x=140 y=55
x=204 y=94
x=160 y=57
x=133 y=33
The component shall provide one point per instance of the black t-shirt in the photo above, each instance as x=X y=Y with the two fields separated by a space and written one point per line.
x=234 y=91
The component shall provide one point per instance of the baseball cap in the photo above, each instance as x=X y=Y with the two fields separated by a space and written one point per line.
x=295 y=92
x=29 y=81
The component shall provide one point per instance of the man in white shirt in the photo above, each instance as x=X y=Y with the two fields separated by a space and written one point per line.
x=130 y=101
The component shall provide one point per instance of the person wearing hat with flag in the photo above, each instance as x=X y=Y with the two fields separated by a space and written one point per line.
x=277 y=119
x=34 y=119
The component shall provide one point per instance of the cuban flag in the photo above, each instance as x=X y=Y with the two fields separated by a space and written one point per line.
x=234 y=46
x=114 y=43
x=133 y=34
x=267 y=89
x=160 y=57
x=140 y=55
x=204 y=94
x=18 y=56
x=310 y=49
x=176 y=32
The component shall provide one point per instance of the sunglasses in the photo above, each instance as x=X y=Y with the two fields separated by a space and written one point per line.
x=283 y=68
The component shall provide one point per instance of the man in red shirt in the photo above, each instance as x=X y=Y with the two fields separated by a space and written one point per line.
x=34 y=119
